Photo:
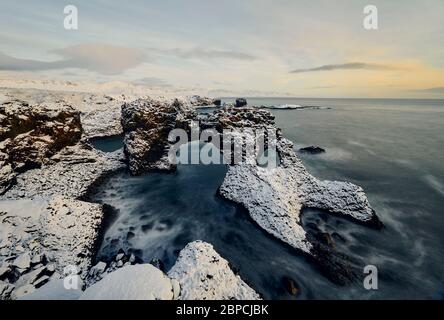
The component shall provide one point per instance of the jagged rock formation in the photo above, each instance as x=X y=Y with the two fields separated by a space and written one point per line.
x=29 y=135
x=70 y=173
x=147 y=124
x=204 y=275
x=274 y=197
x=39 y=243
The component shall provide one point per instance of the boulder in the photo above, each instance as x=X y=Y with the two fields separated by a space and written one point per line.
x=241 y=102
x=204 y=275
x=290 y=286
x=312 y=150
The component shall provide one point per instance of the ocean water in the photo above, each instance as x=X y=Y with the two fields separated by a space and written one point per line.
x=392 y=148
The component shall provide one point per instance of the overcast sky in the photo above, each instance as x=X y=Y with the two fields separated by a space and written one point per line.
x=315 y=48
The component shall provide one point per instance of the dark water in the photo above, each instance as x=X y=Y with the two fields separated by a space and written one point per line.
x=108 y=144
x=393 y=148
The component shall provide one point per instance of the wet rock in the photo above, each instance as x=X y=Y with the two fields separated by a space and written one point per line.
x=290 y=286
x=326 y=238
x=312 y=150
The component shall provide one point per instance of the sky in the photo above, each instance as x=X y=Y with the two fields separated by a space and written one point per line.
x=316 y=48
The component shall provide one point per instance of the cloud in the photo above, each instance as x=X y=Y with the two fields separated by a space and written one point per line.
x=206 y=54
x=431 y=90
x=101 y=58
x=346 y=66
x=152 y=81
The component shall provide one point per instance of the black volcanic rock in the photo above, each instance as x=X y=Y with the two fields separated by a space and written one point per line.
x=241 y=102
x=312 y=150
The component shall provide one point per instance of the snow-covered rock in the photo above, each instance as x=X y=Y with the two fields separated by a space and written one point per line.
x=70 y=173
x=275 y=196
x=30 y=134
x=147 y=124
x=201 y=101
x=204 y=275
x=136 y=282
x=54 y=290
x=56 y=231
x=101 y=117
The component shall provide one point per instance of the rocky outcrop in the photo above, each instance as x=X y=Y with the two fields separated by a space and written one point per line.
x=39 y=243
x=102 y=117
x=274 y=197
x=71 y=173
x=200 y=101
x=312 y=150
x=200 y=273
x=30 y=134
x=146 y=124
x=241 y=102
x=204 y=275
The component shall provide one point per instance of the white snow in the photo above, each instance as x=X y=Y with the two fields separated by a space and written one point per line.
x=204 y=275
x=136 y=282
